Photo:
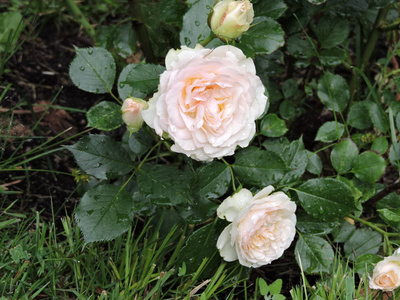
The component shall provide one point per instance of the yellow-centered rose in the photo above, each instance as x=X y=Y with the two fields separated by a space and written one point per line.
x=386 y=275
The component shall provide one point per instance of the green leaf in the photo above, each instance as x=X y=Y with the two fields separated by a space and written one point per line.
x=164 y=185
x=300 y=46
x=11 y=26
x=389 y=201
x=101 y=156
x=314 y=254
x=332 y=57
x=394 y=154
x=212 y=180
x=287 y=109
x=365 y=263
x=264 y=288
x=329 y=132
x=358 y=116
x=295 y=157
x=273 y=126
x=333 y=92
x=104 y=36
x=391 y=216
x=93 y=70
x=259 y=167
x=195 y=26
x=398 y=121
x=143 y=78
x=272 y=9
x=126 y=90
x=316 y=2
x=309 y=225
x=326 y=199
x=264 y=37
x=204 y=239
x=343 y=155
x=380 y=145
x=343 y=233
x=276 y=144
x=314 y=165
x=363 y=241
x=104 y=212
x=125 y=40
x=369 y=166
x=290 y=89
x=275 y=287
x=18 y=253
x=331 y=30
x=378 y=116
x=197 y=212
x=140 y=142
x=104 y=116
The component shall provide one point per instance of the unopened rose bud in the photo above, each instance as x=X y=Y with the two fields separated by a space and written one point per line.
x=131 y=113
x=230 y=18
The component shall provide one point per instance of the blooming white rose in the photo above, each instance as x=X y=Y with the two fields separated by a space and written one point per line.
x=262 y=227
x=207 y=101
x=230 y=19
x=131 y=113
x=386 y=275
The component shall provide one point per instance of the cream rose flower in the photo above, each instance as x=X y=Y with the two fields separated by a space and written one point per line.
x=386 y=275
x=230 y=18
x=207 y=101
x=262 y=227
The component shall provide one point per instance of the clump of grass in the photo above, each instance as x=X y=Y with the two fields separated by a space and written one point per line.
x=42 y=260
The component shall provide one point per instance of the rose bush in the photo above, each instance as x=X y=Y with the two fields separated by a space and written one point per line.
x=230 y=19
x=262 y=227
x=207 y=101
x=386 y=275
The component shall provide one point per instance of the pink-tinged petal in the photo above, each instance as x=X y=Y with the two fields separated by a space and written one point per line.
x=225 y=246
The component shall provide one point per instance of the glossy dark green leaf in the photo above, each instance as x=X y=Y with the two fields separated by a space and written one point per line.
x=104 y=212
x=101 y=156
x=343 y=155
x=125 y=40
x=164 y=185
x=272 y=9
x=333 y=92
x=343 y=233
x=378 y=117
x=332 y=57
x=313 y=254
x=126 y=90
x=287 y=110
x=358 y=116
x=331 y=30
x=391 y=216
x=329 y=132
x=309 y=225
x=264 y=37
x=140 y=142
x=314 y=165
x=105 y=36
x=259 y=167
x=143 y=78
x=93 y=70
x=200 y=245
x=326 y=199
x=276 y=144
x=195 y=28
x=365 y=263
x=296 y=158
x=380 y=145
x=290 y=89
x=212 y=180
x=369 y=166
x=300 y=46
x=363 y=241
x=273 y=126
x=104 y=116
x=197 y=212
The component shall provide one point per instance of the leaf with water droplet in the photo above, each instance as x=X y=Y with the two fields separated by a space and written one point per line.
x=104 y=116
x=93 y=70
x=104 y=212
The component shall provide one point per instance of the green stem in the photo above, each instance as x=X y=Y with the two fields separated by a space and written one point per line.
x=208 y=39
x=369 y=224
x=80 y=18
x=368 y=49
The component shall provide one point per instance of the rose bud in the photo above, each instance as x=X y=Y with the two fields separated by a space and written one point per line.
x=386 y=275
x=230 y=19
x=131 y=113
x=262 y=228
